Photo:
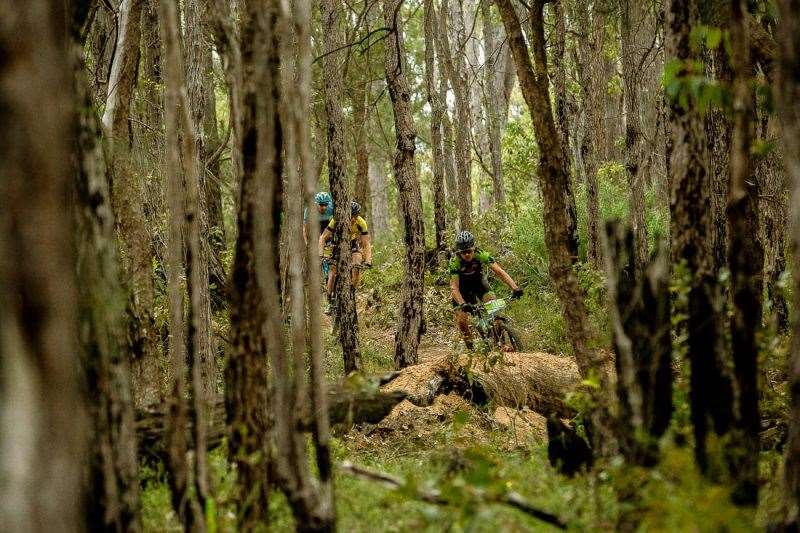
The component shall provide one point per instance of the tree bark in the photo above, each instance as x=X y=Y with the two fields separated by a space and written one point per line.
x=788 y=94
x=43 y=424
x=710 y=389
x=245 y=373
x=410 y=324
x=437 y=153
x=493 y=102
x=113 y=480
x=745 y=260
x=337 y=177
x=312 y=499
x=361 y=192
x=448 y=144
x=456 y=73
x=552 y=179
x=631 y=23
x=559 y=80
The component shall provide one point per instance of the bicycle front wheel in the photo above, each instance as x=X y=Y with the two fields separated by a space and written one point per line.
x=505 y=338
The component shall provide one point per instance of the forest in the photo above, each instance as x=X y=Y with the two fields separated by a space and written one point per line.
x=572 y=290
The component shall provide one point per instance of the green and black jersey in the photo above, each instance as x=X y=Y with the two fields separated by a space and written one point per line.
x=472 y=275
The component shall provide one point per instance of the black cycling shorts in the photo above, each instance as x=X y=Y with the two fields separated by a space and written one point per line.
x=473 y=292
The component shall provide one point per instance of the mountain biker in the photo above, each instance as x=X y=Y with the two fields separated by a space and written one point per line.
x=468 y=281
x=325 y=206
x=360 y=246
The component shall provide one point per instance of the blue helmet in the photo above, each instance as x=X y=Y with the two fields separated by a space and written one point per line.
x=323 y=198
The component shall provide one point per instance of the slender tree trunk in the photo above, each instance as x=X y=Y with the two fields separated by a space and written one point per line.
x=43 y=424
x=378 y=185
x=311 y=500
x=411 y=322
x=745 y=260
x=337 y=177
x=113 y=477
x=448 y=144
x=718 y=127
x=437 y=154
x=245 y=373
x=788 y=94
x=593 y=90
x=710 y=389
x=124 y=69
x=493 y=102
x=632 y=59
x=128 y=198
x=456 y=73
x=150 y=107
x=360 y=116
x=552 y=179
x=559 y=81
x=773 y=210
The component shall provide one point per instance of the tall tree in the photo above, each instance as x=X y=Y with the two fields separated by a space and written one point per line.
x=437 y=152
x=631 y=24
x=591 y=38
x=245 y=372
x=493 y=100
x=788 y=94
x=337 y=177
x=128 y=197
x=745 y=260
x=186 y=212
x=710 y=388
x=113 y=478
x=552 y=181
x=456 y=73
x=410 y=323
x=43 y=426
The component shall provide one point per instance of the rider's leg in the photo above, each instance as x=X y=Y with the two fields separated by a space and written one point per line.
x=331 y=279
x=357 y=259
x=462 y=323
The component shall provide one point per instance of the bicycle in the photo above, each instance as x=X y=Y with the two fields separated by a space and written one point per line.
x=333 y=304
x=494 y=328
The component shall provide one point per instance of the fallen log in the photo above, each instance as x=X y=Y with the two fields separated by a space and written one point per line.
x=345 y=406
x=539 y=381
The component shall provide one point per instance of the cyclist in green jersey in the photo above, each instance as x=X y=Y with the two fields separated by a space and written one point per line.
x=469 y=285
x=360 y=246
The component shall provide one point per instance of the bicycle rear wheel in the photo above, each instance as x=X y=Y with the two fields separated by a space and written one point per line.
x=505 y=338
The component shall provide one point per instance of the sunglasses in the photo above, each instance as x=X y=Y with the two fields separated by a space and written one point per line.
x=467 y=251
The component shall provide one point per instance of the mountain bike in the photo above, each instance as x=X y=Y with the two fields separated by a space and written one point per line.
x=334 y=309
x=494 y=328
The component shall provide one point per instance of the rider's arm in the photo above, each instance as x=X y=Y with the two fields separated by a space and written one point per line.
x=503 y=275
x=325 y=237
x=367 y=247
x=455 y=291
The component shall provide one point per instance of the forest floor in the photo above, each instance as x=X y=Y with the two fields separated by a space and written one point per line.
x=470 y=453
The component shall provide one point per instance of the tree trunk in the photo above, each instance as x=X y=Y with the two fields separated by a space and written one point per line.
x=245 y=373
x=312 y=500
x=124 y=69
x=337 y=177
x=184 y=164
x=448 y=144
x=437 y=153
x=773 y=210
x=113 y=480
x=411 y=324
x=632 y=60
x=710 y=389
x=559 y=80
x=640 y=316
x=493 y=102
x=593 y=91
x=456 y=73
x=43 y=424
x=150 y=109
x=128 y=199
x=378 y=184
x=746 y=261
x=788 y=94
x=552 y=179
x=361 y=192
